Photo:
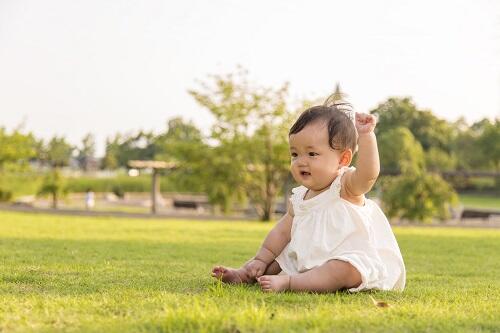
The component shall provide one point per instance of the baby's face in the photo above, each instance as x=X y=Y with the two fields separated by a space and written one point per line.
x=314 y=163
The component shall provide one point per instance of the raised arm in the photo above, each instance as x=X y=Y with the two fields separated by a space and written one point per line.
x=362 y=179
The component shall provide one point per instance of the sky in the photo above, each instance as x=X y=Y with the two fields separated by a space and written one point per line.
x=74 y=67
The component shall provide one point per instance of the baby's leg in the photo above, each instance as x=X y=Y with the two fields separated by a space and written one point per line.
x=331 y=276
x=273 y=268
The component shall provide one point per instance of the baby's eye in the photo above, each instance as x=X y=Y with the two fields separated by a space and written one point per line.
x=312 y=153
x=294 y=154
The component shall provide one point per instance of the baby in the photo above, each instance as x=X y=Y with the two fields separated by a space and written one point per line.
x=331 y=237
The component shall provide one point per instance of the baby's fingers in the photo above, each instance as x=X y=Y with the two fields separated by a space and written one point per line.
x=253 y=273
x=259 y=273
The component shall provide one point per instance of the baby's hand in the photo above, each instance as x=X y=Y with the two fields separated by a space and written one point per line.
x=255 y=268
x=365 y=123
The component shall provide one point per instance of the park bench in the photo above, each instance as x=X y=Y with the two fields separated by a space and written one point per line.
x=188 y=201
x=186 y=204
x=478 y=214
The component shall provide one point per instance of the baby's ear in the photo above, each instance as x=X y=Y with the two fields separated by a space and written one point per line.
x=345 y=158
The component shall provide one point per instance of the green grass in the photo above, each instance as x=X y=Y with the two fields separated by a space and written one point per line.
x=80 y=274
x=479 y=201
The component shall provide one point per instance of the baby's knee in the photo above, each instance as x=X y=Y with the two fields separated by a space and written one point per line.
x=346 y=273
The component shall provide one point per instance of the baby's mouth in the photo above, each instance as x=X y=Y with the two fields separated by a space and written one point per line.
x=305 y=173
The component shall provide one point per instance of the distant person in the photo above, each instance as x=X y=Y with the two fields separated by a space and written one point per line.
x=331 y=237
x=89 y=199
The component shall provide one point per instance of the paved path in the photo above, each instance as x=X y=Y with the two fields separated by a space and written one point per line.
x=79 y=212
x=466 y=223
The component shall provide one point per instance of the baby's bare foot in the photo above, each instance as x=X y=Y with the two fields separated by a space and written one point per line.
x=273 y=283
x=230 y=275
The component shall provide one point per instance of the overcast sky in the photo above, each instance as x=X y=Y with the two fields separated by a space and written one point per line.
x=73 y=67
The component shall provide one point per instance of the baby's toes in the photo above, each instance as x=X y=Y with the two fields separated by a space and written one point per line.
x=265 y=285
x=218 y=271
x=266 y=288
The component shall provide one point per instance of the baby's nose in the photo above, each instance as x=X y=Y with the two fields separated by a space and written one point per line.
x=301 y=161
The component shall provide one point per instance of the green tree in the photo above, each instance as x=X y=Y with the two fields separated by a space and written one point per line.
x=400 y=151
x=414 y=194
x=476 y=147
x=54 y=185
x=489 y=144
x=16 y=148
x=437 y=160
x=122 y=148
x=250 y=157
x=183 y=143
x=429 y=130
x=86 y=151
x=110 y=160
x=58 y=152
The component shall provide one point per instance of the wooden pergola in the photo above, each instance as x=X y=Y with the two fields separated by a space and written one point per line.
x=155 y=184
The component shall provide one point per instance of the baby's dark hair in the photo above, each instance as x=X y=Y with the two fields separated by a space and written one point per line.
x=336 y=115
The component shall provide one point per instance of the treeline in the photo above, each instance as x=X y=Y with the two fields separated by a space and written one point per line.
x=245 y=157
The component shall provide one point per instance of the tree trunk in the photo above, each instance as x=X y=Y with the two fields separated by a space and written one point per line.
x=54 y=200
x=268 y=174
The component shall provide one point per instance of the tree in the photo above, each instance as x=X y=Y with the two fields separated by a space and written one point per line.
x=414 y=194
x=489 y=144
x=86 y=151
x=58 y=152
x=54 y=185
x=429 y=130
x=400 y=151
x=250 y=132
x=437 y=160
x=110 y=160
x=183 y=143
x=123 y=148
x=16 y=148
x=476 y=147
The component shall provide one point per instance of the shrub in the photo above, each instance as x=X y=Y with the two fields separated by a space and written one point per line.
x=54 y=185
x=418 y=197
x=5 y=195
x=118 y=191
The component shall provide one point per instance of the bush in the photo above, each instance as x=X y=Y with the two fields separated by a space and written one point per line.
x=54 y=185
x=15 y=184
x=5 y=195
x=418 y=197
x=123 y=184
x=118 y=191
x=119 y=184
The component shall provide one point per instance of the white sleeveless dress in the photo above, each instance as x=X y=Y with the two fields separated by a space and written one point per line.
x=328 y=227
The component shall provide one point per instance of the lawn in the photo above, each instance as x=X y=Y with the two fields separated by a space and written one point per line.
x=81 y=274
x=480 y=202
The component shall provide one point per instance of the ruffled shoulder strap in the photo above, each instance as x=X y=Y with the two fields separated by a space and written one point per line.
x=297 y=195
x=337 y=183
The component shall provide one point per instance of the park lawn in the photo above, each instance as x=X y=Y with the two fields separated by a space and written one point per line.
x=480 y=201
x=82 y=274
